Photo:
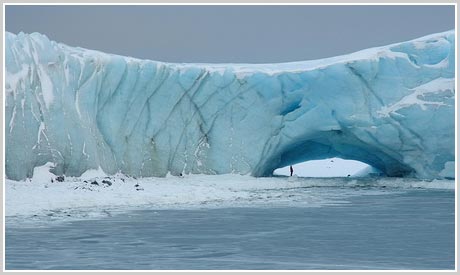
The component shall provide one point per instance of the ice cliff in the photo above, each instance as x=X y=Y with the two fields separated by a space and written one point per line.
x=391 y=107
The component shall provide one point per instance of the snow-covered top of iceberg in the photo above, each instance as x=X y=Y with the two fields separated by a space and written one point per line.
x=241 y=69
x=299 y=66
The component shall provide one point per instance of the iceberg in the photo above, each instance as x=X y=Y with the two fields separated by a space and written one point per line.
x=392 y=107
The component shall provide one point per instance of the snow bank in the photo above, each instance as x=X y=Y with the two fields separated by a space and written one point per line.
x=93 y=197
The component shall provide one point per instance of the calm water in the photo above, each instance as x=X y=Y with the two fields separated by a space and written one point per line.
x=408 y=229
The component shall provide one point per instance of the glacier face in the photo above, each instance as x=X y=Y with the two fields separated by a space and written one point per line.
x=391 y=107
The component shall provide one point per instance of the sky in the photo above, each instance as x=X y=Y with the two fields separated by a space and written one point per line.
x=230 y=34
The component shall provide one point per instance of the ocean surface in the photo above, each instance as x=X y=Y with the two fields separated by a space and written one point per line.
x=360 y=227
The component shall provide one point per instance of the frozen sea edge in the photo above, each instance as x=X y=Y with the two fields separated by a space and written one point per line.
x=95 y=195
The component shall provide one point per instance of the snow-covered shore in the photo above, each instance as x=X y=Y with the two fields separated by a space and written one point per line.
x=95 y=193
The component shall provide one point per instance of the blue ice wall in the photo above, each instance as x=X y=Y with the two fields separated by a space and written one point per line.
x=391 y=107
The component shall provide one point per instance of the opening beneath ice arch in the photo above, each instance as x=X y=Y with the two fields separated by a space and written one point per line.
x=328 y=168
x=328 y=148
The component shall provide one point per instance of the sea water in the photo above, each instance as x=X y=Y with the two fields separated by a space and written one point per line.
x=363 y=228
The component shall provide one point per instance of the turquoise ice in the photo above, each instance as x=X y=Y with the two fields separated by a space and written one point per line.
x=391 y=107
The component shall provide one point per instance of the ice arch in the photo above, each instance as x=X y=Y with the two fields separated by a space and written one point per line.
x=391 y=107
x=318 y=149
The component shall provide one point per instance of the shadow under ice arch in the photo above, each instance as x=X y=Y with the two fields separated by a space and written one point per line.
x=391 y=107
